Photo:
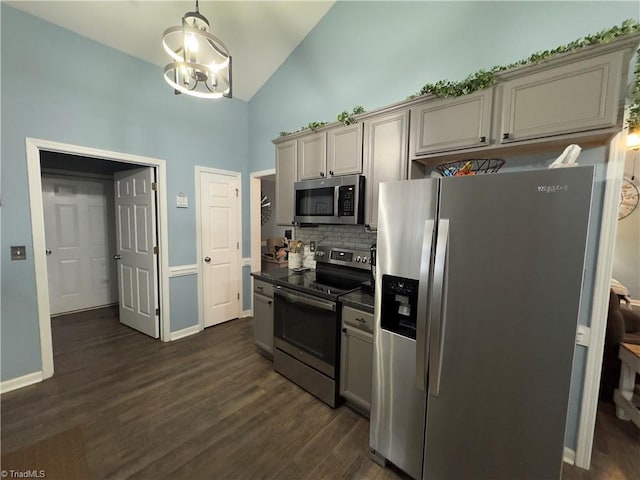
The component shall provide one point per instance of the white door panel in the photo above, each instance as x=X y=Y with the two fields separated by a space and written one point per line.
x=79 y=233
x=220 y=247
x=136 y=238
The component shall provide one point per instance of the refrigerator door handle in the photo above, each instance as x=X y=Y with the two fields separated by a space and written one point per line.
x=423 y=291
x=438 y=312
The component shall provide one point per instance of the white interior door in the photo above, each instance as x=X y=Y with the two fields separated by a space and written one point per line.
x=79 y=231
x=220 y=247
x=136 y=236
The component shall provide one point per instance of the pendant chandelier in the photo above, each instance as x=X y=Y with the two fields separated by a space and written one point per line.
x=201 y=62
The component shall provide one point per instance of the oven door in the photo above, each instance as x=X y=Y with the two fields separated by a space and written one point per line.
x=306 y=327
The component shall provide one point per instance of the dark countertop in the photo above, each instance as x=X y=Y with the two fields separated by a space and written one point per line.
x=359 y=299
x=271 y=272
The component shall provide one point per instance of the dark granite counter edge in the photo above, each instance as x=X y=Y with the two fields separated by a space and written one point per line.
x=359 y=300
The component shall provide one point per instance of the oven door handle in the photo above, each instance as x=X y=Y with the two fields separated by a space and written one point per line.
x=304 y=300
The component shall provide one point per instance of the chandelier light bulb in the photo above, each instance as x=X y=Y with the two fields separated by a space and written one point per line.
x=191 y=43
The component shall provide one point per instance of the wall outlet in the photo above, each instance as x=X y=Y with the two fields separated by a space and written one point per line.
x=312 y=246
x=18 y=253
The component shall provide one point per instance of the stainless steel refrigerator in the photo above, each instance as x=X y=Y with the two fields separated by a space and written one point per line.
x=478 y=289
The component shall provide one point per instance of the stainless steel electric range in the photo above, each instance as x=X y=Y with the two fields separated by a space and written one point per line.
x=307 y=319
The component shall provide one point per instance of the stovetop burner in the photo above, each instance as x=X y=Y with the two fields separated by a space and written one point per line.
x=338 y=271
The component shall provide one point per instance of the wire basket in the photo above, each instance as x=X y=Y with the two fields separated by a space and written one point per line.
x=475 y=166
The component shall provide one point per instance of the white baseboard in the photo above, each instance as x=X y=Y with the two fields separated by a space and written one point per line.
x=24 y=381
x=569 y=456
x=247 y=313
x=185 y=332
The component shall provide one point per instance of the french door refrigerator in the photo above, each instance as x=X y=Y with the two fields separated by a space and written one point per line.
x=477 y=295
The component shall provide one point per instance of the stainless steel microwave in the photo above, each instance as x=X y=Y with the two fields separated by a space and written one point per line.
x=335 y=200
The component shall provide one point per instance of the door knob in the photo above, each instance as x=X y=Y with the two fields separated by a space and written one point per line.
x=48 y=251
x=207 y=259
x=117 y=257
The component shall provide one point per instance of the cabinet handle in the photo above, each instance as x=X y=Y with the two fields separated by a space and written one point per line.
x=260 y=288
x=331 y=172
x=483 y=139
x=361 y=320
x=270 y=302
x=505 y=136
x=344 y=330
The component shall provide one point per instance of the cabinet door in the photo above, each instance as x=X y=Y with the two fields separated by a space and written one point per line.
x=312 y=156
x=263 y=322
x=285 y=178
x=451 y=123
x=356 y=358
x=344 y=150
x=571 y=98
x=385 y=156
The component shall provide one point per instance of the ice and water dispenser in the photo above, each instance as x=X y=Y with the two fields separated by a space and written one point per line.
x=399 y=305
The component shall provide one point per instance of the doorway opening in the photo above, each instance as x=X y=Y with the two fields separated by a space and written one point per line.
x=94 y=162
x=263 y=213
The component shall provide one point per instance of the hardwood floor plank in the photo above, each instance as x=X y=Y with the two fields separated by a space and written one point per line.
x=209 y=406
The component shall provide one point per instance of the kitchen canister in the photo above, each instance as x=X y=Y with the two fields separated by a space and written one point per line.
x=308 y=258
x=295 y=260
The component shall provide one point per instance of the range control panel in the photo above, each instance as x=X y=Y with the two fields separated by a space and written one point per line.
x=343 y=256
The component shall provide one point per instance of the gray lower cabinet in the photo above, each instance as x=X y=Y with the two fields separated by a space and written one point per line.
x=385 y=156
x=356 y=358
x=575 y=97
x=263 y=317
x=286 y=176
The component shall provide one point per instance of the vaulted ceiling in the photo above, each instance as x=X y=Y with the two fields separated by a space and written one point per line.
x=260 y=35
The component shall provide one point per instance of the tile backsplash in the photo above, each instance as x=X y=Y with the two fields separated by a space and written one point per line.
x=354 y=237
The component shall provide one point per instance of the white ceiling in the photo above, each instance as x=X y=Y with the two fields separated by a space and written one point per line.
x=260 y=35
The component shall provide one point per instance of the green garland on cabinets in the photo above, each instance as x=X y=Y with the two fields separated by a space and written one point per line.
x=344 y=117
x=486 y=78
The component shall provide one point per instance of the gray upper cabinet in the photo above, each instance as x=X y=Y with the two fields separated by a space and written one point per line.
x=451 y=123
x=286 y=153
x=312 y=154
x=344 y=150
x=574 y=97
x=386 y=138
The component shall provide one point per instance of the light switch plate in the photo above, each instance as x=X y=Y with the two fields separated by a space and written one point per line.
x=18 y=253
x=182 y=201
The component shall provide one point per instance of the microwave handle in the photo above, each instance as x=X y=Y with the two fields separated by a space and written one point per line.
x=336 y=200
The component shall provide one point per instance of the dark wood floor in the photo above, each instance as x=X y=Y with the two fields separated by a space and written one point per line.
x=208 y=406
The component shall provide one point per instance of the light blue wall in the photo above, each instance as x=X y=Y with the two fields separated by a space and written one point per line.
x=62 y=87
x=184 y=302
x=377 y=53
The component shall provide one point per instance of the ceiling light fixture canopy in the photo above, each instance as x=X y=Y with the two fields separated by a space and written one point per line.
x=202 y=64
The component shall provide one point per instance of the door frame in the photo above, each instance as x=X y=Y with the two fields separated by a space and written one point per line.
x=600 y=302
x=255 y=224
x=198 y=170
x=34 y=174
